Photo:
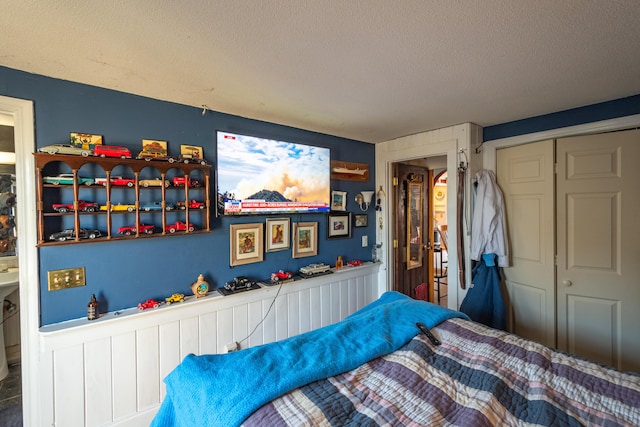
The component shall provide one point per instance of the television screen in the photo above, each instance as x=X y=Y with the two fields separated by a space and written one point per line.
x=265 y=176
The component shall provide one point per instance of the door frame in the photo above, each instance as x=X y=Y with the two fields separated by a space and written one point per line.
x=488 y=148
x=453 y=142
x=24 y=136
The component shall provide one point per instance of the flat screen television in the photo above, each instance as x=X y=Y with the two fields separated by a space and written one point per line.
x=264 y=176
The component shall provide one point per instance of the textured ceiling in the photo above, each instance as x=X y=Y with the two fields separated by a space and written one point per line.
x=370 y=70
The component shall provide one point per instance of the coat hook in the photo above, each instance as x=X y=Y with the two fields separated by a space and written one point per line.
x=204 y=109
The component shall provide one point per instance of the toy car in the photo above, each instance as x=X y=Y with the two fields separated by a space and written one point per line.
x=66 y=179
x=119 y=208
x=65 y=149
x=150 y=303
x=312 y=269
x=174 y=298
x=128 y=230
x=178 y=181
x=281 y=275
x=70 y=234
x=83 y=206
x=354 y=263
x=239 y=283
x=116 y=180
x=153 y=182
x=193 y=204
x=149 y=155
x=111 y=151
x=156 y=206
x=188 y=158
x=179 y=226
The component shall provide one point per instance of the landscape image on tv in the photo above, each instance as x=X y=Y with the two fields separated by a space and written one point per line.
x=264 y=176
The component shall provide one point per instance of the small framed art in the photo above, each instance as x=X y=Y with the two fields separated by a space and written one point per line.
x=338 y=225
x=305 y=239
x=277 y=234
x=361 y=220
x=338 y=200
x=246 y=243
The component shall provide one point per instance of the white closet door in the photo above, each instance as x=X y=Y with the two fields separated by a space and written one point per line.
x=598 y=247
x=525 y=175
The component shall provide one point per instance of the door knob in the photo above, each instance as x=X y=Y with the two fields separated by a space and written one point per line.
x=567 y=283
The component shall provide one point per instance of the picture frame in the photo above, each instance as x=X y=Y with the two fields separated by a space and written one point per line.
x=305 y=239
x=278 y=234
x=338 y=225
x=246 y=243
x=361 y=220
x=154 y=145
x=338 y=200
x=191 y=151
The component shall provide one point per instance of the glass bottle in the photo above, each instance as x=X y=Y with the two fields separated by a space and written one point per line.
x=339 y=263
x=92 y=308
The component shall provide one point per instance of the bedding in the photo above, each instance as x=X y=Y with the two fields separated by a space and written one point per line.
x=223 y=389
x=374 y=368
x=477 y=377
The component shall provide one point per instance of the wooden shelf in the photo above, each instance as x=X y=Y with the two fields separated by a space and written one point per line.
x=136 y=166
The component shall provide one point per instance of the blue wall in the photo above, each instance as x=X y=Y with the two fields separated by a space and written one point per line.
x=576 y=116
x=123 y=273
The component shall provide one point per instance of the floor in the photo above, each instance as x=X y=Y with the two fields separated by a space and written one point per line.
x=11 y=387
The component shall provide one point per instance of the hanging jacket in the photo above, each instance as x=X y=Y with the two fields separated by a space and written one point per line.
x=488 y=225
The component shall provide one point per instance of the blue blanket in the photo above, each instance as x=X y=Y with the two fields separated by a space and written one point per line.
x=224 y=389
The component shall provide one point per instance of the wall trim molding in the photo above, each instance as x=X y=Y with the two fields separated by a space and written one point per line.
x=489 y=148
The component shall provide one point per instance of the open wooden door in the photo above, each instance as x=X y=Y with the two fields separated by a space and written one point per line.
x=413 y=231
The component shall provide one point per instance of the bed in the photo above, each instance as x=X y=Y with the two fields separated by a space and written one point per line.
x=376 y=368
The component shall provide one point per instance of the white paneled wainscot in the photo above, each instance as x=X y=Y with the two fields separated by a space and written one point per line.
x=110 y=371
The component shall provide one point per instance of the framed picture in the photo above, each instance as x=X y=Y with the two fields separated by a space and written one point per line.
x=305 y=239
x=278 y=234
x=191 y=152
x=338 y=200
x=362 y=220
x=246 y=243
x=338 y=225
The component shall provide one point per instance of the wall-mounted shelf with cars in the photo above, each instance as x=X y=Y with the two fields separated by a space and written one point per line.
x=84 y=199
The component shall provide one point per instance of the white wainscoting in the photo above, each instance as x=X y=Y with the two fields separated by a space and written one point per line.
x=110 y=371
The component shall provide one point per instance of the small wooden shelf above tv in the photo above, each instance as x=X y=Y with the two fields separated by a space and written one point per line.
x=349 y=171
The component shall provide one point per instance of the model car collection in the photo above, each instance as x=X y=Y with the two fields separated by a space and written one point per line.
x=65 y=149
x=174 y=298
x=70 y=234
x=153 y=182
x=238 y=283
x=128 y=230
x=83 y=206
x=111 y=151
x=150 y=303
x=281 y=275
x=156 y=206
x=312 y=269
x=179 y=226
x=193 y=204
x=116 y=180
x=119 y=207
x=178 y=181
x=66 y=179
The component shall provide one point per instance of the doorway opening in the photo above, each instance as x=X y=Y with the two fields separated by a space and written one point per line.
x=440 y=238
x=420 y=229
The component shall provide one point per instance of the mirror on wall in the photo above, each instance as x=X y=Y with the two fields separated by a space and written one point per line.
x=414 y=225
x=8 y=240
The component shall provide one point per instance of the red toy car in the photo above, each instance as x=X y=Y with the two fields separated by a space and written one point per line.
x=178 y=181
x=118 y=180
x=281 y=275
x=179 y=226
x=193 y=204
x=150 y=303
x=128 y=230
x=83 y=206
x=111 y=151
x=354 y=263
